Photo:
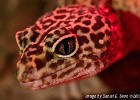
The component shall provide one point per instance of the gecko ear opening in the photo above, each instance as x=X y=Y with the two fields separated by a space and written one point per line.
x=66 y=46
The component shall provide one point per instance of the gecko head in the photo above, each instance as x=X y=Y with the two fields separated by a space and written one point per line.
x=77 y=47
x=43 y=60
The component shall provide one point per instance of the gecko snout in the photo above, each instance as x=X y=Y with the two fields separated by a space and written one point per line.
x=24 y=68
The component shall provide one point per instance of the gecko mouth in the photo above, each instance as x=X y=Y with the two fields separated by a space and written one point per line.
x=47 y=81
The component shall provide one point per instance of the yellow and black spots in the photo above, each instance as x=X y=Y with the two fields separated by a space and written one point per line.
x=22 y=40
x=25 y=59
x=27 y=37
x=65 y=44
x=40 y=63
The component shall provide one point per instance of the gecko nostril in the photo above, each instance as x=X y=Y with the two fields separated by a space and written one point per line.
x=26 y=75
x=29 y=70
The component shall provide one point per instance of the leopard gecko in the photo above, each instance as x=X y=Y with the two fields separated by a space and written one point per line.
x=69 y=43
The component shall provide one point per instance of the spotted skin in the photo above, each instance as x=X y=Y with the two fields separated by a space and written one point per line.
x=68 y=43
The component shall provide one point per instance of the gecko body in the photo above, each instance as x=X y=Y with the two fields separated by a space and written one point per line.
x=68 y=43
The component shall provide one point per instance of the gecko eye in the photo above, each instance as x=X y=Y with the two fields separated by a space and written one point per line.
x=66 y=46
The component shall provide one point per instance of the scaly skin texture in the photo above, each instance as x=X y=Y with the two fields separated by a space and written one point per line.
x=68 y=43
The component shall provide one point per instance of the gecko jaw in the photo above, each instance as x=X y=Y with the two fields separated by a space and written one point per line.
x=48 y=82
x=36 y=84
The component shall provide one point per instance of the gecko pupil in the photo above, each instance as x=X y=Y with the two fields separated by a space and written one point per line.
x=66 y=46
